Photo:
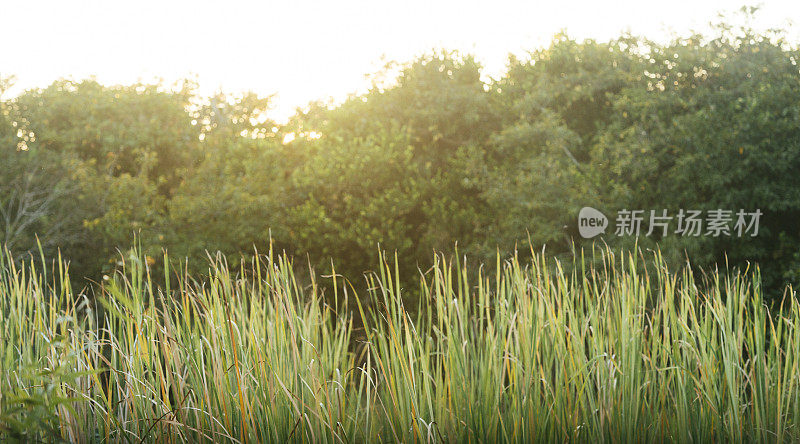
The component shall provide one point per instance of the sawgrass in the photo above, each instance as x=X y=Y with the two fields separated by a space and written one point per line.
x=519 y=351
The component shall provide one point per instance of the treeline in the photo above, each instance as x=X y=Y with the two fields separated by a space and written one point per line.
x=439 y=155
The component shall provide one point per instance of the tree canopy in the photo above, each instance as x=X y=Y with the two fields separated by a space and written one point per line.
x=438 y=156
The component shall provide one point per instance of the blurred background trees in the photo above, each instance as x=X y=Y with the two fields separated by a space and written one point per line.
x=439 y=155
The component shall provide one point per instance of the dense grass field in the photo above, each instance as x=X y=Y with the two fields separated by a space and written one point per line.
x=520 y=351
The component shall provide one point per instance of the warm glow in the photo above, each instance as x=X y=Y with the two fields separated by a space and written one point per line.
x=309 y=50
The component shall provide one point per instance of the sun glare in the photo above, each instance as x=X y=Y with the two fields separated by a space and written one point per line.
x=315 y=50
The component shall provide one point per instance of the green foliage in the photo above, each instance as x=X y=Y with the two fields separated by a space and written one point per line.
x=119 y=153
x=396 y=166
x=558 y=106
x=433 y=154
x=236 y=187
x=350 y=197
x=715 y=126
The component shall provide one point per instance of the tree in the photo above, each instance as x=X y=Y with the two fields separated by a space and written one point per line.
x=34 y=187
x=119 y=152
x=395 y=166
x=715 y=126
x=542 y=169
x=234 y=194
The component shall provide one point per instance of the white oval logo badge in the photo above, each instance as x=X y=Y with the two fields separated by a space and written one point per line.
x=591 y=222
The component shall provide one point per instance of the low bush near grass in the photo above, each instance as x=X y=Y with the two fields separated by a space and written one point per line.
x=523 y=352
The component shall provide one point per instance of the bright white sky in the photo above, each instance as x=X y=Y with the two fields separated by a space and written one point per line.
x=303 y=50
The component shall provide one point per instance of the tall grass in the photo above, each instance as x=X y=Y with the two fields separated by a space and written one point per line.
x=520 y=351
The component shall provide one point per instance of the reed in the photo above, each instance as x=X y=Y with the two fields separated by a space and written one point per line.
x=520 y=351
